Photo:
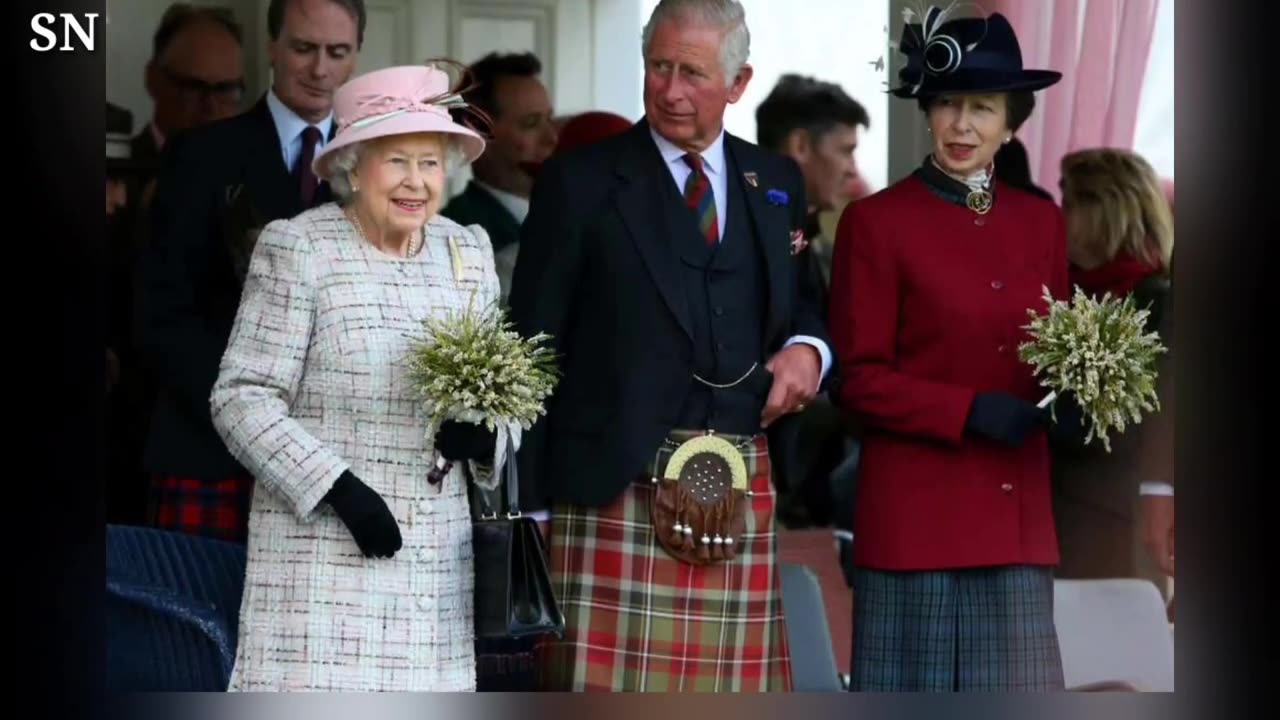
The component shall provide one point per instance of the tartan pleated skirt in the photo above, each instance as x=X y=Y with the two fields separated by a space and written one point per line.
x=967 y=630
x=638 y=620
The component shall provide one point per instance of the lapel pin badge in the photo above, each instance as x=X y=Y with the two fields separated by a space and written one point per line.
x=455 y=256
x=752 y=179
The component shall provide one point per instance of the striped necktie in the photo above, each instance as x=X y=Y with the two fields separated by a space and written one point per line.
x=701 y=200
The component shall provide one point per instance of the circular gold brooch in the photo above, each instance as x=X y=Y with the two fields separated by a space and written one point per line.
x=979 y=201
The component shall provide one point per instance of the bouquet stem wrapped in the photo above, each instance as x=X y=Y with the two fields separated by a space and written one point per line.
x=1098 y=350
x=472 y=366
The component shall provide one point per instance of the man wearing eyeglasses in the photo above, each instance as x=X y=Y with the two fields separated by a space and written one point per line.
x=195 y=76
x=218 y=185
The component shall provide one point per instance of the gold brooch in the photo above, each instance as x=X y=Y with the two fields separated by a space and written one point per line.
x=979 y=201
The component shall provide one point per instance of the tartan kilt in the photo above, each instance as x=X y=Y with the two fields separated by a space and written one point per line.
x=965 y=630
x=210 y=508
x=638 y=620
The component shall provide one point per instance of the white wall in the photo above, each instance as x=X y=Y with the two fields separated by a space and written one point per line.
x=619 y=70
x=833 y=40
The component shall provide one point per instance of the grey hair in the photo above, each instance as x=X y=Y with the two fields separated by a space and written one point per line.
x=725 y=15
x=344 y=161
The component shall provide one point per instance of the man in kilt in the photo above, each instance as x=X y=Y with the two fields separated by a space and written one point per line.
x=217 y=187
x=666 y=264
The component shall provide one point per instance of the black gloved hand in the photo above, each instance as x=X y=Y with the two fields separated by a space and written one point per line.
x=1004 y=418
x=366 y=515
x=1068 y=430
x=466 y=441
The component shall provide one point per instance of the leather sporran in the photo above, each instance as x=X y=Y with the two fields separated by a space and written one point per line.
x=699 y=505
x=513 y=595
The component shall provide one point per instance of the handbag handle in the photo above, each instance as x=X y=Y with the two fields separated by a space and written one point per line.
x=510 y=479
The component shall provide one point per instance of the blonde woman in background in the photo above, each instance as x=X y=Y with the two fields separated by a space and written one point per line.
x=1120 y=241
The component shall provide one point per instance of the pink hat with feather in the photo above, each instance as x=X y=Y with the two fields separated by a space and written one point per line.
x=397 y=101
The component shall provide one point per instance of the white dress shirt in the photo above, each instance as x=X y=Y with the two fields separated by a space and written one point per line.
x=289 y=128
x=514 y=204
x=714 y=165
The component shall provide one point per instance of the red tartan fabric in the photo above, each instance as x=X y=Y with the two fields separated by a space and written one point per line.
x=639 y=620
x=217 y=509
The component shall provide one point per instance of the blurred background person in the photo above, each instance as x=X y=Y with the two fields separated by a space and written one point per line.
x=125 y=488
x=1119 y=241
x=1013 y=167
x=816 y=124
x=508 y=88
x=218 y=186
x=586 y=128
x=195 y=76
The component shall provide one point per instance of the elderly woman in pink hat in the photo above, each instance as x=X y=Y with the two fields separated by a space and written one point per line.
x=359 y=566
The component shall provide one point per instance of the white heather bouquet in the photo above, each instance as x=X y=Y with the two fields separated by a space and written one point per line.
x=1098 y=350
x=473 y=366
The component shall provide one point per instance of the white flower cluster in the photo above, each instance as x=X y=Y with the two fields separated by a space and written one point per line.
x=1099 y=351
x=473 y=366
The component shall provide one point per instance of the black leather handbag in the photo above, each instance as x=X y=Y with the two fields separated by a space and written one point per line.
x=513 y=596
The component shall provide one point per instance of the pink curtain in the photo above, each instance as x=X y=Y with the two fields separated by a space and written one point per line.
x=1101 y=49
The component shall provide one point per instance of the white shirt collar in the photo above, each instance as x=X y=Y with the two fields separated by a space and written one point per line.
x=712 y=157
x=289 y=125
x=516 y=205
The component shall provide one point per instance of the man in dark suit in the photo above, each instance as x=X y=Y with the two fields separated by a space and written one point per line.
x=816 y=124
x=195 y=76
x=665 y=264
x=218 y=186
x=509 y=89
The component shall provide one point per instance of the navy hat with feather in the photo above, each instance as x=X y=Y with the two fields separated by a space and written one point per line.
x=964 y=55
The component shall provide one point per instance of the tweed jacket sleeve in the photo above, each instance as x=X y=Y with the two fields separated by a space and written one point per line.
x=261 y=371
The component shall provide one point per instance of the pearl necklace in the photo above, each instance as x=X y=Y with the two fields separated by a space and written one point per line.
x=415 y=242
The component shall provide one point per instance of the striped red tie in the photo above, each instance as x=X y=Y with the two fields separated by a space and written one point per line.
x=701 y=200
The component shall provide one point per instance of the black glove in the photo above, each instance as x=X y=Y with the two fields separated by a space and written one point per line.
x=1068 y=430
x=466 y=441
x=1003 y=418
x=366 y=515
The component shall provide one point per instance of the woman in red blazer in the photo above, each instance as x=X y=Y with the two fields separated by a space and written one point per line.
x=932 y=279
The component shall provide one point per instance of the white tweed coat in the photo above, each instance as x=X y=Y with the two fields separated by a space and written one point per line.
x=314 y=382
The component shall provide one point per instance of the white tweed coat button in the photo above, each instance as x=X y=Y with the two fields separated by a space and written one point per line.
x=424 y=602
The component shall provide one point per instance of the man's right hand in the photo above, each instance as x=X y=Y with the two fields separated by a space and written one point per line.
x=1157 y=530
x=366 y=516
